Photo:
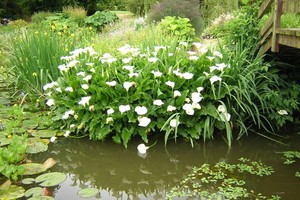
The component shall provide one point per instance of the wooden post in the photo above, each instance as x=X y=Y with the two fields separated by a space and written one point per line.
x=276 y=25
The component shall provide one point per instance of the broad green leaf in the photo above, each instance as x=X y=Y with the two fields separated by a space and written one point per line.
x=28 y=181
x=87 y=192
x=44 y=133
x=36 y=191
x=4 y=141
x=33 y=168
x=30 y=124
x=51 y=179
x=41 y=198
x=11 y=192
x=36 y=145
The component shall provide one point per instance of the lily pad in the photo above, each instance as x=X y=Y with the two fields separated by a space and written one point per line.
x=12 y=192
x=28 y=181
x=33 y=168
x=30 y=124
x=41 y=198
x=87 y=192
x=51 y=179
x=4 y=141
x=44 y=133
x=36 y=145
x=36 y=168
x=36 y=191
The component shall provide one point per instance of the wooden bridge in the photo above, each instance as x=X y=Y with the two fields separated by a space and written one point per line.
x=271 y=34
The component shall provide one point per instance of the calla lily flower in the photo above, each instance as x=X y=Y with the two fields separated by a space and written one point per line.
x=141 y=110
x=124 y=108
x=158 y=102
x=142 y=148
x=50 y=102
x=84 y=100
x=214 y=79
x=144 y=121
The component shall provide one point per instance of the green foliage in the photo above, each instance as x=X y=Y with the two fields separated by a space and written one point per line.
x=139 y=7
x=139 y=79
x=221 y=181
x=178 y=27
x=36 y=54
x=284 y=101
x=11 y=155
x=76 y=14
x=290 y=20
x=178 y=8
x=211 y=10
x=100 y=19
x=291 y=157
x=40 y=16
x=18 y=23
x=217 y=26
x=243 y=30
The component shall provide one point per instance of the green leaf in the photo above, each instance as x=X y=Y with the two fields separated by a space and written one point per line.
x=126 y=135
x=36 y=145
x=33 y=168
x=30 y=124
x=87 y=192
x=4 y=141
x=41 y=198
x=28 y=181
x=44 y=133
x=51 y=179
x=12 y=192
x=36 y=191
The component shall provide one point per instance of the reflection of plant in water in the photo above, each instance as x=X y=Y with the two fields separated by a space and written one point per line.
x=118 y=170
x=221 y=181
x=290 y=157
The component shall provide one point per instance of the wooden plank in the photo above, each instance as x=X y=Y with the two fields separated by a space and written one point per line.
x=267 y=26
x=264 y=8
x=276 y=24
x=287 y=40
x=289 y=31
x=266 y=37
x=291 y=6
x=265 y=47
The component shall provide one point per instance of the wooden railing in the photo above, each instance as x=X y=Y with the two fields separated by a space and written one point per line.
x=271 y=34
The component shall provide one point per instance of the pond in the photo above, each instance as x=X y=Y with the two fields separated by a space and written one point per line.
x=121 y=173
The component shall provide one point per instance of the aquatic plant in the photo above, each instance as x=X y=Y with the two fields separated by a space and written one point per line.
x=222 y=181
x=12 y=155
x=137 y=90
x=290 y=157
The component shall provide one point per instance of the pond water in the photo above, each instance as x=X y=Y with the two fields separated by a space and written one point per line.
x=121 y=173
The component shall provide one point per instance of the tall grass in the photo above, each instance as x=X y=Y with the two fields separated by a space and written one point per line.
x=36 y=56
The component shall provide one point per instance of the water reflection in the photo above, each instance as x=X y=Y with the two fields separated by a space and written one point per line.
x=122 y=174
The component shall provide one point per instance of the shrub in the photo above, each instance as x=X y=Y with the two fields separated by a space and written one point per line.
x=138 y=7
x=40 y=16
x=18 y=23
x=100 y=19
x=179 y=27
x=180 y=8
x=213 y=9
x=217 y=27
x=76 y=14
